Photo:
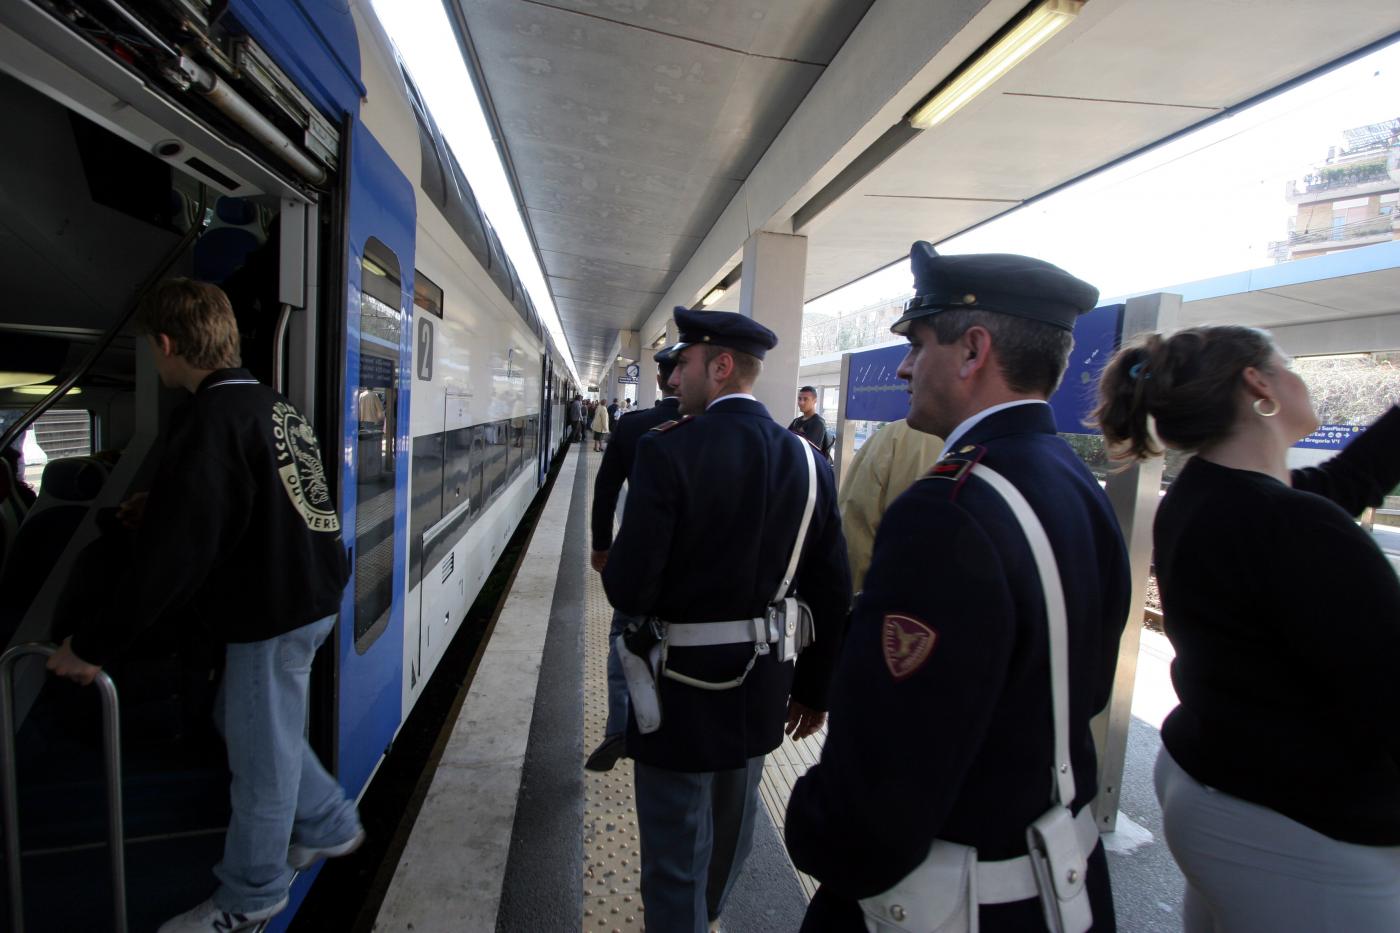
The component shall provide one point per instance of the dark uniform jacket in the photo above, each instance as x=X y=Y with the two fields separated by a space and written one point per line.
x=950 y=735
x=713 y=508
x=617 y=464
x=239 y=532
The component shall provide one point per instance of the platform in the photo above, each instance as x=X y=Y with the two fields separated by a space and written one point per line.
x=515 y=836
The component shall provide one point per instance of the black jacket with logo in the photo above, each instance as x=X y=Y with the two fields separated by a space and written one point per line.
x=239 y=533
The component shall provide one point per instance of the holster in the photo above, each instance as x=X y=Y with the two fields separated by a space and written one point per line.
x=791 y=620
x=1061 y=870
x=639 y=651
x=939 y=896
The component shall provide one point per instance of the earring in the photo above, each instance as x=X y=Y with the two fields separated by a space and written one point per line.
x=1259 y=407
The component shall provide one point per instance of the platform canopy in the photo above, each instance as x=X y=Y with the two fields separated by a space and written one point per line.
x=649 y=139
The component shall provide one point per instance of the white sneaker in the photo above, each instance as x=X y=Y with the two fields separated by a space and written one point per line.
x=299 y=856
x=206 y=918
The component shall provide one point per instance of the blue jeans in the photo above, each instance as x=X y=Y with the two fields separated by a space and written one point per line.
x=696 y=830
x=279 y=789
x=617 y=681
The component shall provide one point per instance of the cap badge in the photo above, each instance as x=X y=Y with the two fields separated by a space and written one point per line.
x=969 y=299
x=907 y=644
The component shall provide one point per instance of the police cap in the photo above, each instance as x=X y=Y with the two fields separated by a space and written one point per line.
x=1000 y=282
x=666 y=356
x=723 y=329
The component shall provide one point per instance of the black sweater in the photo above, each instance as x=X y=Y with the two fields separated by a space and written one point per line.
x=239 y=533
x=1285 y=617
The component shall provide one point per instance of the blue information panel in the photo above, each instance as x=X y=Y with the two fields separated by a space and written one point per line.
x=875 y=393
x=1096 y=337
x=1331 y=437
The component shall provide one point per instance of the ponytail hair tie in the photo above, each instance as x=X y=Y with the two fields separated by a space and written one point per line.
x=1135 y=370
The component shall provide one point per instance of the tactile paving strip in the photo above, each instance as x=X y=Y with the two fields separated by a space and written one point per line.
x=612 y=848
x=612 y=898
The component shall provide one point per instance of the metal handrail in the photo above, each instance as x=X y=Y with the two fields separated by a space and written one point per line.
x=111 y=741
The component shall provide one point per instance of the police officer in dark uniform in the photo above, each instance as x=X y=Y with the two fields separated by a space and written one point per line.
x=941 y=722
x=612 y=473
x=714 y=508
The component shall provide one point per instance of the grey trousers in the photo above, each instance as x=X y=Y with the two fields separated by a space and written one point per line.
x=1250 y=869
x=696 y=830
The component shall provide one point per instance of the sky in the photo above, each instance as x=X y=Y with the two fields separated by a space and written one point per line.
x=1206 y=204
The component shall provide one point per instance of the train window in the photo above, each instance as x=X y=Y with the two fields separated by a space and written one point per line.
x=428 y=492
x=500 y=272
x=476 y=470
x=426 y=294
x=58 y=434
x=456 y=488
x=532 y=435
x=462 y=211
x=494 y=457
x=434 y=180
x=376 y=404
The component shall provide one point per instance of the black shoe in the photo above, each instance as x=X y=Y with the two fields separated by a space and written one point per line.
x=607 y=753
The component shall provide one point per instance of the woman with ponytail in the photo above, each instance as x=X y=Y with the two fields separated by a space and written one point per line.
x=1279 y=776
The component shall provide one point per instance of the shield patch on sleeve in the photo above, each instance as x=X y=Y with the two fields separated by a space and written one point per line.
x=907 y=644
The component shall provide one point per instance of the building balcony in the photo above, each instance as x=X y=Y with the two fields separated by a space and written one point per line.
x=1382 y=227
x=1341 y=182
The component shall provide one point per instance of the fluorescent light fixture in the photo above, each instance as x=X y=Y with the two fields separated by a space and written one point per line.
x=44 y=390
x=373 y=268
x=715 y=294
x=1027 y=35
x=11 y=380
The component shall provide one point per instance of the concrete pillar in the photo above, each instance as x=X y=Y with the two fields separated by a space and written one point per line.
x=646 y=382
x=775 y=267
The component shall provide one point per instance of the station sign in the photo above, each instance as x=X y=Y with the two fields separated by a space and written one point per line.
x=1330 y=437
x=630 y=375
x=875 y=393
x=1097 y=336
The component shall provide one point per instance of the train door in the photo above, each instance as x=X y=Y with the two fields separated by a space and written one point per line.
x=546 y=433
x=375 y=454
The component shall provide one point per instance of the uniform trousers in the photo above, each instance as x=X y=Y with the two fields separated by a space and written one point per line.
x=696 y=830
x=617 y=680
x=1249 y=868
x=279 y=792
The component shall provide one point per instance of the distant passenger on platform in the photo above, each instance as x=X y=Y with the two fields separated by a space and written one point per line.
x=240 y=533
x=602 y=424
x=731 y=550
x=576 y=418
x=809 y=424
x=888 y=463
x=612 y=473
x=946 y=756
x=1279 y=774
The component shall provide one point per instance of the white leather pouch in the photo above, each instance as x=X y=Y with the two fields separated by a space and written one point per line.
x=1060 y=871
x=940 y=896
x=641 y=685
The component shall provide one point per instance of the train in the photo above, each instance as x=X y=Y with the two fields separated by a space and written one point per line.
x=280 y=149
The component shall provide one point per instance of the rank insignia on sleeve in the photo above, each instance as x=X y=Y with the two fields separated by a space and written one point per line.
x=956 y=466
x=907 y=644
x=665 y=426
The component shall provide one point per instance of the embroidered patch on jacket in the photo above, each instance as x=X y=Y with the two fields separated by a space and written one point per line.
x=907 y=643
x=299 y=466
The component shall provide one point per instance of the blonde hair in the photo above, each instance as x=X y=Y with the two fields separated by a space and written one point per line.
x=198 y=319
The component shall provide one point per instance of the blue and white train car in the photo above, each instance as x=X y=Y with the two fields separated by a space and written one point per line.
x=280 y=149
